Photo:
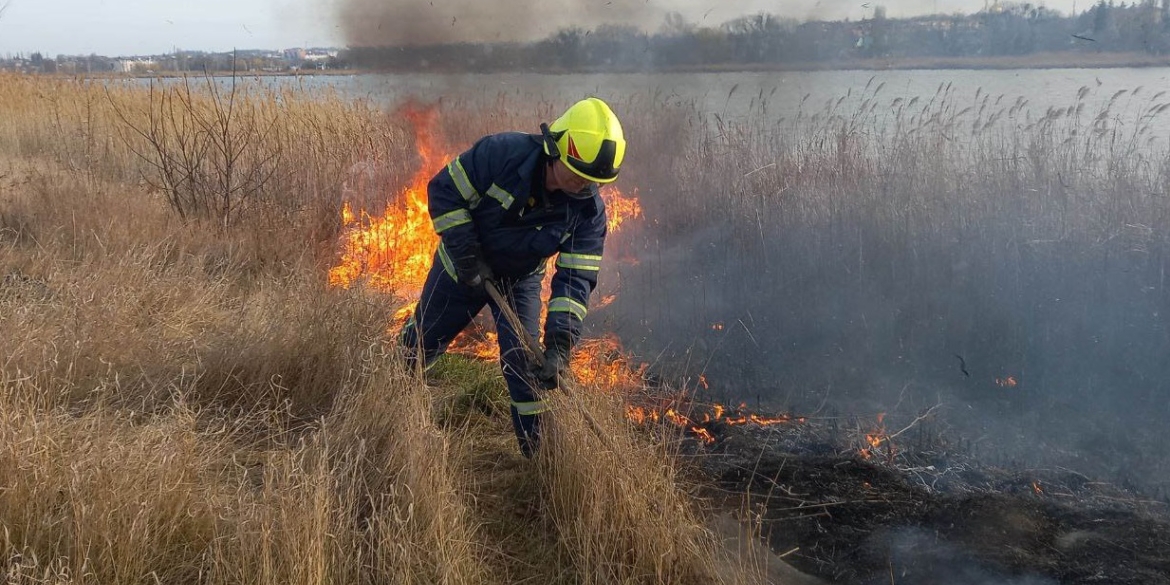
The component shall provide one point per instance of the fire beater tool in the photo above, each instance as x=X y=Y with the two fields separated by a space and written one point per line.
x=532 y=349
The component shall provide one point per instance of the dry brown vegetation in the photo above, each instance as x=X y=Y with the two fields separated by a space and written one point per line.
x=183 y=399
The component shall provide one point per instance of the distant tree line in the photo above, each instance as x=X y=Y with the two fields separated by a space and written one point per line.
x=243 y=61
x=1012 y=29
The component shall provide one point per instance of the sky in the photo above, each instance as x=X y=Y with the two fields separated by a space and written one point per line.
x=145 y=27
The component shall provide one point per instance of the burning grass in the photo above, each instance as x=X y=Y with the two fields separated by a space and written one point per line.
x=185 y=399
x=188 y=398
x=852 y=250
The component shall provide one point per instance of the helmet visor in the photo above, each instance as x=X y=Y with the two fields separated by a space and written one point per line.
x=602 y=169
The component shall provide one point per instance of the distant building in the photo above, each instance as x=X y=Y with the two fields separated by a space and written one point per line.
x=320 y=55
x=137 y=65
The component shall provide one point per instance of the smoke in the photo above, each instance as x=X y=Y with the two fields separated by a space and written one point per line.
x=389 y=23
x=380 y=23
x=372 y=23
x=791 y=295
x=915 y=556
x=803 y=325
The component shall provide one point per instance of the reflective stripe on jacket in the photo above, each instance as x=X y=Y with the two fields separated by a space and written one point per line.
x=492 y=199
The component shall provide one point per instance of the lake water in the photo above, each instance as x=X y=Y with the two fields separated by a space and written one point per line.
x=788 y=93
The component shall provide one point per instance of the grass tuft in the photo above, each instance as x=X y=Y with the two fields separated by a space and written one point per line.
x=616 y=502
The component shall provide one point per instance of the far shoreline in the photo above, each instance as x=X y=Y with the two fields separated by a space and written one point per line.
x=1051 y=60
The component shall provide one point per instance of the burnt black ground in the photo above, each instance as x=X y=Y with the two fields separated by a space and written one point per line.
x=926 y=514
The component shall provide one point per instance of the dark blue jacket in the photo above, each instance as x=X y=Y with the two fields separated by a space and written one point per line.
x=491 y=200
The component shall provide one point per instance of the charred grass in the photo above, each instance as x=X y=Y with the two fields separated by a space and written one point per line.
x=882 y=251
x=935 y=514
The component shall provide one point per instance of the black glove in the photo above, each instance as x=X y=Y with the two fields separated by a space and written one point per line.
x=556 y=364
x=473 y=271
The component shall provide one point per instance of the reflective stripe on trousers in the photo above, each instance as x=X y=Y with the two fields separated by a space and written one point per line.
x=445 y=308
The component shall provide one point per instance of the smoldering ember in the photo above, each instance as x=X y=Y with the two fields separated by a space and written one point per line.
x=856 y=319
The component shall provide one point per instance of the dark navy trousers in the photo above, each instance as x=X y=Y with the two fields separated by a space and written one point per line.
x=446 y=307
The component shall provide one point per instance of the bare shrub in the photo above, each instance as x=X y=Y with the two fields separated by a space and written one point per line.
x=213 y=153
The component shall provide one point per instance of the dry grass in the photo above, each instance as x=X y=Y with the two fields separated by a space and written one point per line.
x=616 y=503
x=293 y=151
x=183 y=403
x=115 y=496
x=162 y=397
x=183 y=399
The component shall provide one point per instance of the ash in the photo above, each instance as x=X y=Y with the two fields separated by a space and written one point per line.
x=852 y=500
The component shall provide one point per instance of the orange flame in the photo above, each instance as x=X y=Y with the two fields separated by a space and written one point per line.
x=642 y=415
x=618 y=207
x=703 y=434
x=602 y=363
x=1007 y=382
x=756 y=419
x=876 y=438
x=392 y=251
x=401 y=315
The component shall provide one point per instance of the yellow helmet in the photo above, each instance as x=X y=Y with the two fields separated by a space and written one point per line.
x=588 y=138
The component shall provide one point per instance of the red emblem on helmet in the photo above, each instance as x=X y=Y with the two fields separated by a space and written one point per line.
x=573 y=149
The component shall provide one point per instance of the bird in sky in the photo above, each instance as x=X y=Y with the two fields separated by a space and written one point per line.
x=963 y=365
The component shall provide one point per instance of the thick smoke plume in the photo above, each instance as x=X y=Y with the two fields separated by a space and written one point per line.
x=373 y=23
x=850 y=279
x=378 y=23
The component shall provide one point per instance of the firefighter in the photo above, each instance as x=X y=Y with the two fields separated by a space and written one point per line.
x=502 y=209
